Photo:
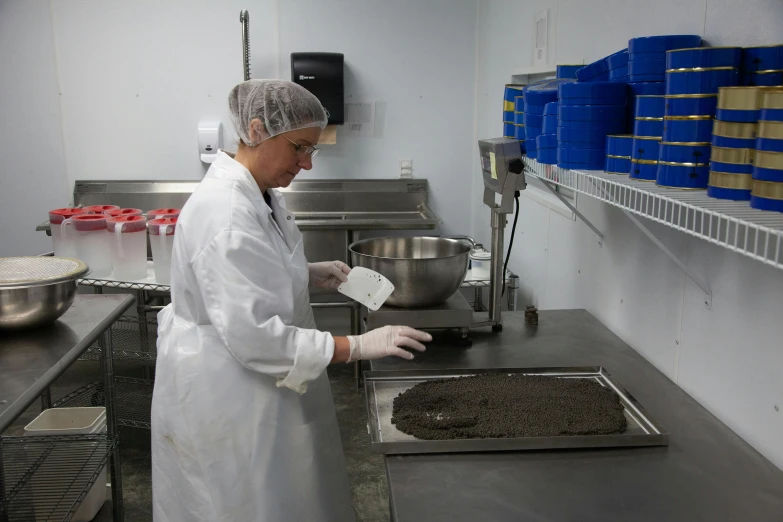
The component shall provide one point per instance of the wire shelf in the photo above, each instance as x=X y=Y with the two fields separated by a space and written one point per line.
x=47 y=478
x=134 y=338
x=148 y=283
x=133 y=398
x=730 y=224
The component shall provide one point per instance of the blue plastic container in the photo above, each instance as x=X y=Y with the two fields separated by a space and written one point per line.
x=733 y=143
x=590 y=113
x=646 y=78
x=519 y=132
x=644 y=67
x=540 y=93
x=764 y=58
x=682 y=176
x=645 y=149
x=646 y=88
x=648 y=127
x=731 y=168
x=619 y=75
x=519 y=118
x=547 y=156
x=546 y=149
x=619 y=145
x=663 y=43
x=546 y=141
x=771 y=115
x=700 y=82
x=531 y=133
x=567 y=71
x=768 y=144
x=726 y=193
x=690 y=130
x=586 y=138
x=617 y=60
x=594 y=72
x=643 y=171
x=617 y=165
x=704 y=57
x=691 y=105
x=649 y=106
x=685 y=152
x=538 y=110
x=519 y=104
x=586 y=159
x=602 y=128
x=758 y=203
x=522 y=147
x=593 y=93
x=533 y=120
x=530 y=147
x=508 y=116
x=511 y=91
x=550 y=124
x=736 y=115
x=763 y=79
x=763 y=174
x=551 y=109
x=508 y=130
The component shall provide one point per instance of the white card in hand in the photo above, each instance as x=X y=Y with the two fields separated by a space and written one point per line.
x=367 y=287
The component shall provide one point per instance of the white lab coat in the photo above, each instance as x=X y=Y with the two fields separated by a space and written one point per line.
x=243 y=422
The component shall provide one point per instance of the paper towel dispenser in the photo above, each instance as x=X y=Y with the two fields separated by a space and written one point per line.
x=322 y=75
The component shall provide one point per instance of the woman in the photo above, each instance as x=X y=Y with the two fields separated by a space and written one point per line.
x=243 y=423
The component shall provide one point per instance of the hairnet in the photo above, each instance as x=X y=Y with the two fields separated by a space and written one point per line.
x=282 y=107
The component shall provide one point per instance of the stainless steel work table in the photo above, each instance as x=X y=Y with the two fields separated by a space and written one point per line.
x=30 y=361
x=707 y=473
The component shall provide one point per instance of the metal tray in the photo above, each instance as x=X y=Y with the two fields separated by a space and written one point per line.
x=381 y=387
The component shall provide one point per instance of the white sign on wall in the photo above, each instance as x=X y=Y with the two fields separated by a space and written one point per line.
x=540 y=32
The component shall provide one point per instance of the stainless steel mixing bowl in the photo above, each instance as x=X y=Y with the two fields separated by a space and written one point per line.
x=425 y=271
x=35 y=291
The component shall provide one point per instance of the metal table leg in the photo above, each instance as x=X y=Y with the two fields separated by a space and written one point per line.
x=356 y=330
x=46 y=399
x=141 y=311
x=478 y=299
x=107 y=367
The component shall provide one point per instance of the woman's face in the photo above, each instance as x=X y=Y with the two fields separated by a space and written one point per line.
x=278 y=162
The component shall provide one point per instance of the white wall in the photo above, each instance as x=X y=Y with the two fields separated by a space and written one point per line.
x=32 y=169
x=729 y=358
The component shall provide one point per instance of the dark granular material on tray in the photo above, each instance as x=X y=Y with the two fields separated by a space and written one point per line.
x=498 y=405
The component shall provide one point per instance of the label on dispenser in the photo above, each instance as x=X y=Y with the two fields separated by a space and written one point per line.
x=492 y=166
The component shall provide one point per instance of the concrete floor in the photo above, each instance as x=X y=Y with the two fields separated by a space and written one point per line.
x=366 y=470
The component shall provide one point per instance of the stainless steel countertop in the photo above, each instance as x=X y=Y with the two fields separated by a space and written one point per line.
x=707 y=473
x=31 y=361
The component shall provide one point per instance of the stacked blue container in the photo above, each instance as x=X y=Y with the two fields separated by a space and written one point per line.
x=511 y=91
x=519 y=121
x=762 y=66
x=734 y=128
x=536 y=98
x=767 y=189
x=647 y=132
x=693 y=77
x=546 y=143
x=618 y=154
x=567 y=71
x=587 y=113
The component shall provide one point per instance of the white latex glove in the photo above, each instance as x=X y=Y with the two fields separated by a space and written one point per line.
x=328 y=274
x=386 y=341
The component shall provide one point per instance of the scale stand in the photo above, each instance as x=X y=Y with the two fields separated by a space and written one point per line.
x=503 y=171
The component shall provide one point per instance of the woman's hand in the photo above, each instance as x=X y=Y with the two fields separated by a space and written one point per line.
x=328 y=274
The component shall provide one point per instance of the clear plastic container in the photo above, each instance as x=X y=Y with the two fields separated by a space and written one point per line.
x=100 y=209
x=162 y=242
x=160 y=213
x=480 y=264
x=116 y=212
x=92 y=242
x=129 y=255
x=56 y=217
x=72 y=421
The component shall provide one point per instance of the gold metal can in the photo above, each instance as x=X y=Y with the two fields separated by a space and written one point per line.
x=770 y=129
x=769 y=160
x=735 y=156
x=730 y=181
x=739 y=98
x=767 y=189
x=701 y=69
x=617 y=157
x=678 y=164
x=695 y=117
x=730 y=129
x=648 y=118
x=772 y=98
x=644 y=161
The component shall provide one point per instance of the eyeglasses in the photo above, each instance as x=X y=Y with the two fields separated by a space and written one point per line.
x=301 y=150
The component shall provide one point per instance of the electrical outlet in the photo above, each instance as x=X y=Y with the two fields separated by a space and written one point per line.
x=406 y=168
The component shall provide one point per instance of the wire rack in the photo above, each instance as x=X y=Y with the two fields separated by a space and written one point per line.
x=134 y=338
x=133 y=398
x=47 y=478
x=729 y=224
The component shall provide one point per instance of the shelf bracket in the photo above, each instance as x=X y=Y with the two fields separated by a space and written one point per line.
x=573 y=209
x=701 y=283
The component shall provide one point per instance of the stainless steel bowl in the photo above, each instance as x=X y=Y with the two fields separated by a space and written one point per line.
x=35 y=291
x=425 y=271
